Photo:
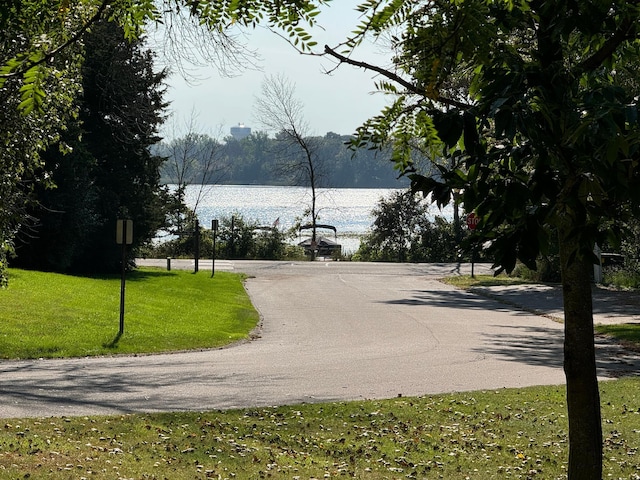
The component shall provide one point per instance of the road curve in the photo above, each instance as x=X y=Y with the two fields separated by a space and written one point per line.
x=329 y=331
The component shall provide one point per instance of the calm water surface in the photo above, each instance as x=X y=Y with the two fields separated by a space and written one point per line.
x=347 y=209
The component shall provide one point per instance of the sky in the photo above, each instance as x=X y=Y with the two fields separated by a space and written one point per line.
x=338 y=102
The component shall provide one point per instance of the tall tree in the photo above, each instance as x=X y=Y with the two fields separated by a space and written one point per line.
x=25 y=131
x=279 y=110
x=399 y=223
x=532 y=105
x=110 y=172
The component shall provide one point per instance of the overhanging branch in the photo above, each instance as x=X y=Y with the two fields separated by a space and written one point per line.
x=395 y=78
x=622 y=34
x=26 y=65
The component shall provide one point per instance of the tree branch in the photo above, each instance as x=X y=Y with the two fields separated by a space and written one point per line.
x=609 y=47
x=74 y=38
x=392 y=76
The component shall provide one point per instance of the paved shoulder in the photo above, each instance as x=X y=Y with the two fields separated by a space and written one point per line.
x=609 y=306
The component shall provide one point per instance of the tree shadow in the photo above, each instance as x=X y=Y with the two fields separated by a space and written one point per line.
x=541 y=346
x=141 y=275
x=538 y=346
x=113 y=344
x=458 y=299
x=67 y=388
x=545 y=347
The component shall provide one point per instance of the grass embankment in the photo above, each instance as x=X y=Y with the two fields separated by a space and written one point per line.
x=47 y=315
x=520 y=433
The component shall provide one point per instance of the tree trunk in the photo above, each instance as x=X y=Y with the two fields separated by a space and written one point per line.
x=583 y=398
x=314 y=236
x=457 y=228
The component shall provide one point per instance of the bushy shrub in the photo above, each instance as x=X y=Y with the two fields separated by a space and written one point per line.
x=548 y=270
x=236 y=238
x=402 y=232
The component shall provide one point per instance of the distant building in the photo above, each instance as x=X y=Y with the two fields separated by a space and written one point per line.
x=240 y=131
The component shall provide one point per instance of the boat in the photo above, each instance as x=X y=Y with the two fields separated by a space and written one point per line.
x=323 y=247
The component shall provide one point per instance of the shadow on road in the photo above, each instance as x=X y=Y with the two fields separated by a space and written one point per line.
x=535 y=346
x=456 y=299
x=538 y=346
x=69 y=386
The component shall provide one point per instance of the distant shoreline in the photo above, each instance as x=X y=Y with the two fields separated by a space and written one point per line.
x=400 y=184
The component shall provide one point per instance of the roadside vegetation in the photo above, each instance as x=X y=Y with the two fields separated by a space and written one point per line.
x=236 y=238
x=495 y=434
x=403 y=232
x=467 y=281
x=50 y=315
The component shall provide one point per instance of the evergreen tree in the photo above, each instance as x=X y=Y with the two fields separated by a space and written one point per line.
x=110 y=172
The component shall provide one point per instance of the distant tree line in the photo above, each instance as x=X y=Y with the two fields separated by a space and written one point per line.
x=254 y=160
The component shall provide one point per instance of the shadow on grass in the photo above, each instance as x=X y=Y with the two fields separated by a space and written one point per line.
x=132 y=275
x=113 y=343
x=629 y=332
x=138 y=275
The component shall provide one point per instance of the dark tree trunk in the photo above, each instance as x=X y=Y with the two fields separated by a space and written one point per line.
x=457 y=228
x=583 y=398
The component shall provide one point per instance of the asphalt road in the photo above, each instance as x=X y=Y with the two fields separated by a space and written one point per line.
x=329 y=331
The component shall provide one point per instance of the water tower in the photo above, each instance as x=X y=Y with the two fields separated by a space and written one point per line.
x=240 y=131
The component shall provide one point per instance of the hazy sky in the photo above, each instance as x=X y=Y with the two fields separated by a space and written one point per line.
x=339 y=102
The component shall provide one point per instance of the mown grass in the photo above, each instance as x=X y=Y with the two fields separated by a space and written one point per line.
x=507 y=433
x=629 y=333
x=47 y=315
x=467 y=281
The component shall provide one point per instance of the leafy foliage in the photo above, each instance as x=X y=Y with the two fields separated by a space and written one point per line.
x=236 y=238
x=24 y=129
x=109 y=173
x=536 y=113
x=402 y=232
x=525 y=150
x=39 y=71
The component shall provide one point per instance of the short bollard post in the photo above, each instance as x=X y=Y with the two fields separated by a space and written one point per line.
x=169 y=263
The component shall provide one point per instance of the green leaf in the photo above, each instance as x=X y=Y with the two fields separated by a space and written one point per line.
x=449 y=126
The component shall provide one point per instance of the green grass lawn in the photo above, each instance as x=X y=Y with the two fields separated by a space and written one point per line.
x=467 y=281
x=502 y=434
x=46 y=315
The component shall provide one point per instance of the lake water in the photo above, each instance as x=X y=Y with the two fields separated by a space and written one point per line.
x=347 y=209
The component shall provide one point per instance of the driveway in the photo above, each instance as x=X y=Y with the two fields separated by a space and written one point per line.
x=329 y=331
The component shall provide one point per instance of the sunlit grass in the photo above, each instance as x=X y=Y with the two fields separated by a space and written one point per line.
x=467 y=281
x=628 y=333
x=52 y=315
x=507 y=433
